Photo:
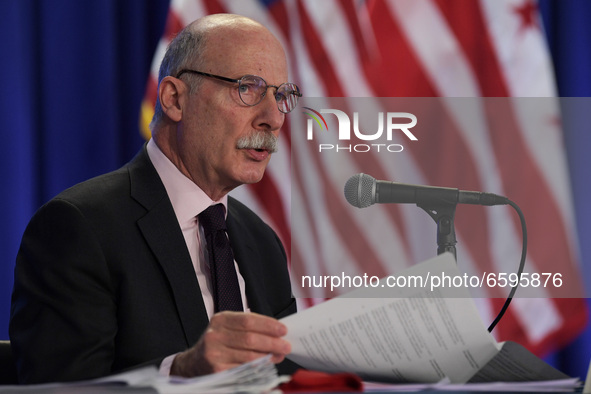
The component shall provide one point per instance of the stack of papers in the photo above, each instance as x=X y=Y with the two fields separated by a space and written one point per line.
x=413 y=335
x=257 y=376
x=548 y=386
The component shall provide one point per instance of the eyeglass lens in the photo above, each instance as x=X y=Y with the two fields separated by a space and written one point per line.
x=252 y=90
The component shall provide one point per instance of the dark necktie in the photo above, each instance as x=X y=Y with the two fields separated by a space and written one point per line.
x=226 y=291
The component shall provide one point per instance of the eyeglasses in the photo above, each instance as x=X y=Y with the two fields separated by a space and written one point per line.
x=252 y=89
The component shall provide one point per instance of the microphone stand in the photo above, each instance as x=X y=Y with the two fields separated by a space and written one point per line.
x=443 y=213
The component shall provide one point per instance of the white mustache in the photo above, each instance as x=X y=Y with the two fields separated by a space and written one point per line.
x=258 y=140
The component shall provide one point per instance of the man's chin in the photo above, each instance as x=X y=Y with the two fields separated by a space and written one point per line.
x=252 y=180
x=251 y=177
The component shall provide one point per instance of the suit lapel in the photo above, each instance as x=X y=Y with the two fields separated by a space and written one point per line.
x=248 y=257
x=164 y=237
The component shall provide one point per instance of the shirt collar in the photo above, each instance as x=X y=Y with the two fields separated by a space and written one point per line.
x=188 y=200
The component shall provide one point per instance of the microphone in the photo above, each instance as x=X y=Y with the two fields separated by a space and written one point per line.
x=362 y=190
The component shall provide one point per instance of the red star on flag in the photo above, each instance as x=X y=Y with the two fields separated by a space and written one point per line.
x=528 y=14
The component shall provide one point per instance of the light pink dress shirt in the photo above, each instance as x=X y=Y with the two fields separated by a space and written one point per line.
x=188 y=201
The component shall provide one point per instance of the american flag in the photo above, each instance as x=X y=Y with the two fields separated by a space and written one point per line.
x=372 y=49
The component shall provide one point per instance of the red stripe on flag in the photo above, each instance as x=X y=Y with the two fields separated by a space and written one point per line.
x=298 y=265
x=473 y=36
x=574 y=310
x=151 y=90
x=214 y=7
x=296 y=273
x=351 y=13
x=279 y=13
x=396 y=75
x=318 y=55
x=173 y=25
x=266 y=192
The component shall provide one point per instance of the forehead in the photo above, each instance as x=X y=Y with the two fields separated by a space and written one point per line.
x=234 y=51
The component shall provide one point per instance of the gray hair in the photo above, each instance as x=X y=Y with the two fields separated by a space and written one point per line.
x=184 y=51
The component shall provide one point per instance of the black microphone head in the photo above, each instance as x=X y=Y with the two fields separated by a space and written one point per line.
x=360 y=190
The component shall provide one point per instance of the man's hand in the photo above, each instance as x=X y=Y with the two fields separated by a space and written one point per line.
x=231 y=339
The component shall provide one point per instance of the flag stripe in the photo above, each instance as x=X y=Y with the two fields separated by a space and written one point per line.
x=214 y=7
x=473 y=37
x=318 y=55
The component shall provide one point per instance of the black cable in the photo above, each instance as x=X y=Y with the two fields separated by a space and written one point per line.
x=519 y=270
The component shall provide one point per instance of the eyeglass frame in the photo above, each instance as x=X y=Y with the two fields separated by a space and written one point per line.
x=239 y=80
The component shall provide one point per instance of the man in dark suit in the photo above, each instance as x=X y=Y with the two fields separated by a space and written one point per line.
x=112 y=273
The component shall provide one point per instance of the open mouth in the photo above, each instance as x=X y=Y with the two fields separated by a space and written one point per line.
x=258 y=154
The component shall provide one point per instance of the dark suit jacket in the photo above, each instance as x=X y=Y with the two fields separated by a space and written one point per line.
x=104 y=281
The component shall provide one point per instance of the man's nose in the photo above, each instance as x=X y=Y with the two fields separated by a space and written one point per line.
x=270 y=118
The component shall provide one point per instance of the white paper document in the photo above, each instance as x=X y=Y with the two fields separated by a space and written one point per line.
x=414 y=335
x=254 y=377
x=257 y=376
x=547 y=386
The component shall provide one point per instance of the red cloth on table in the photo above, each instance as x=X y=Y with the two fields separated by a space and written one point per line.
x=309 y=381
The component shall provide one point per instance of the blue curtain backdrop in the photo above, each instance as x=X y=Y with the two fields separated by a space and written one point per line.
x=569 y=38
x=73 y=76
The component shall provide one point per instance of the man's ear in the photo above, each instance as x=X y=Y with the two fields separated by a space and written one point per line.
x=170 y=91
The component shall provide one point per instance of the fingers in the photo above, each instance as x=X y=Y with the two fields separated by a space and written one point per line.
x=215 y=361
x=248 y=332
x=243 y=340
x=231 y=339
x=251 y=322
